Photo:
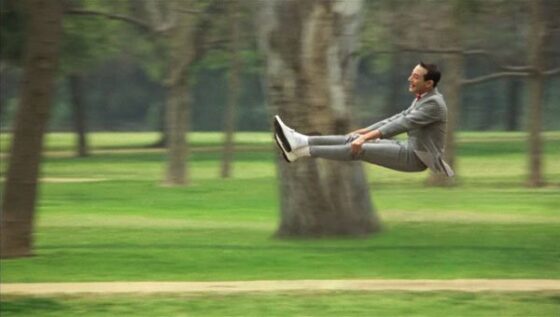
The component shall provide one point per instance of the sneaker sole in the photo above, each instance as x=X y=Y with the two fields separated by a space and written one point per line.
x=276 y=137
x=280 y=133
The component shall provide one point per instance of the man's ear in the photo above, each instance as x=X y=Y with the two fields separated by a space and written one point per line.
x=430 y=83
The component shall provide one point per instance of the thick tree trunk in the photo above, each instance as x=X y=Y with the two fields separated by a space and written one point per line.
x=233 y=89
x=310 y=48
x=395 y=85
x=451 y=80
x=76 y=83
x=453 y=88
x=395 y=77
x=177 y=111
x=176 y=172
x=43 y=34
x=536 y=87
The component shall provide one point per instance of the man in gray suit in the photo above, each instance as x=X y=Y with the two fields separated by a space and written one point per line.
x=424 y=121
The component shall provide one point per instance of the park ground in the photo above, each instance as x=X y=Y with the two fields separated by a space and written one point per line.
x=106 y=218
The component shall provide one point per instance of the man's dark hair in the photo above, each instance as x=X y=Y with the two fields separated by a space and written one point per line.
x=433 y=72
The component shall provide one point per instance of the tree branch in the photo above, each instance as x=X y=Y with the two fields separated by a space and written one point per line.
x=443 y=51
x=144 y=26
x=524 y=69
x=189 y=11
x=552 y=72
x=481 y=79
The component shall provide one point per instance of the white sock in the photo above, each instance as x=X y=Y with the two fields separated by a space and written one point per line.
x=302 y=151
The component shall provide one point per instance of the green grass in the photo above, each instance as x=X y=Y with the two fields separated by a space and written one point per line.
x=322 y=304
x=136 y=229
x=184 y=251
x=62 y=141
x=123 y=225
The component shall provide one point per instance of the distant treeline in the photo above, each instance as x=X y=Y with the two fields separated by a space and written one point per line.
x=119 y=96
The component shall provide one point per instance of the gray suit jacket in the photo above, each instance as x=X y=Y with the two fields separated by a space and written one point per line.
x=425 y=123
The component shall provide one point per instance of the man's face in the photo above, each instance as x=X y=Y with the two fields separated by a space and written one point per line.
x=417 y=84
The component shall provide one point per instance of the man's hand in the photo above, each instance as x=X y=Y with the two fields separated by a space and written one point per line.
x=356 y=145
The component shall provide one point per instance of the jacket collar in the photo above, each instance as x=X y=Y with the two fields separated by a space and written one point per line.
x=429 y=94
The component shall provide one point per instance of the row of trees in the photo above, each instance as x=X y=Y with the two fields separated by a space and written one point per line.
x=311 y=51
x=122 y=85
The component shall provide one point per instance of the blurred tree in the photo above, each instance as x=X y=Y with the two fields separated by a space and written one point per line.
x=75 y=82
x=12 y=22
x=234 y=16
x=86 y=43
x=42 y=37
x=542 y=13
x=538 y=37
x=11 y=49
x=180 y=39
x=455 y=64
x=310 y=48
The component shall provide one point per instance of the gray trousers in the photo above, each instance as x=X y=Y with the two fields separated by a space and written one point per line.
x=387 y=153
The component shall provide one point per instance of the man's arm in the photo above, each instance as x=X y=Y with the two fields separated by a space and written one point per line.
x=426 y=114
x=379 y=124
x=429 y=112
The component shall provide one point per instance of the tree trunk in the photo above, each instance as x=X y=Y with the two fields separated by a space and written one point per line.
x=310 y=48
x=536 y=83
x=176 y=130
x=177 y=113
x=233 y=89
x=43 y=34
x=453 y=87
x=452 y=82
x=395 y=76
x=75 y=82
x=395 y=85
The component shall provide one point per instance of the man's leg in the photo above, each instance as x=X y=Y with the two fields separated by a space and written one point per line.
x=386 y=153
x=330 y=139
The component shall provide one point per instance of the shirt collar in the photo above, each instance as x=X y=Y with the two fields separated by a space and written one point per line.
x=420 y=96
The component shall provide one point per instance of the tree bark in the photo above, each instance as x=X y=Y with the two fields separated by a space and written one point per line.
x=233 y=89
x=395 y=76
x=311 y=65
x=177 y=109
x=453 y=85
x=76 y=83
x=395 y=85
x=43 y=33
x=537 y=37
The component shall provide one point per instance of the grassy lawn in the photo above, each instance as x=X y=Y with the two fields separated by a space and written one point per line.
x=284 y=305
x=123 y=225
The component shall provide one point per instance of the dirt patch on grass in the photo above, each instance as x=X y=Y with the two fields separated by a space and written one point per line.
x=462 y=285
x=71 y=180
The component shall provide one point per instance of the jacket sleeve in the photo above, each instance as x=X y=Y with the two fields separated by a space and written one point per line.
x=425 y=114
x=384 y=122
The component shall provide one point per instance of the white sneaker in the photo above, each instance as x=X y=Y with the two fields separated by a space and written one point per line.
x=289 y=138
x=293 y=155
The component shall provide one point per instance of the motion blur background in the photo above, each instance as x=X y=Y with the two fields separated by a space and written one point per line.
x=121 y=66
x=158 y=161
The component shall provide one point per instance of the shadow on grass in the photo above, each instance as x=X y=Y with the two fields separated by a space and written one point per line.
x=29 y=306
